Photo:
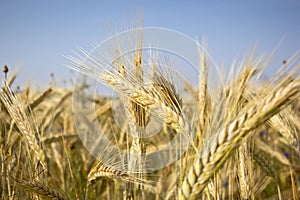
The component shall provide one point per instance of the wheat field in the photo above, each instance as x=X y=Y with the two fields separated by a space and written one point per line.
x=243 y=137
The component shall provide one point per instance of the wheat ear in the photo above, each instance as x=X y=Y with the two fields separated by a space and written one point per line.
x=23 y=120
x=102 y=171
x=243 y=171
x=282 y=123
x=150 y=98
x=40 y=98
x=219 y=149
x=42 y=190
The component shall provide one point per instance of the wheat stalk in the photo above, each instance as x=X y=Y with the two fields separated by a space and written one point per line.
x=217 y=152
x=137 y=124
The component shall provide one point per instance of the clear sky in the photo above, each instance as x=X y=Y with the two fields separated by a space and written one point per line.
x=35 y=34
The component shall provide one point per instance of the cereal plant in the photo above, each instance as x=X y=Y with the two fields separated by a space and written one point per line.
x=160 y=134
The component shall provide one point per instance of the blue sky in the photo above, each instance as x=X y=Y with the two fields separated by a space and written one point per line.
x=35 y=34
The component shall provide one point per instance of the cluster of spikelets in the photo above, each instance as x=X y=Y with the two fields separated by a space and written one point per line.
x=246 y=143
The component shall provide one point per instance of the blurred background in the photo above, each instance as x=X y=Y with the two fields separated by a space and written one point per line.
x=34 y=35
